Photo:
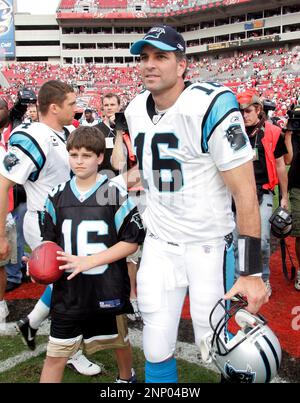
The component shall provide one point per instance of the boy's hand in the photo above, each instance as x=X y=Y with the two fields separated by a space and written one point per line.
x=25 y=259
x=72 y=262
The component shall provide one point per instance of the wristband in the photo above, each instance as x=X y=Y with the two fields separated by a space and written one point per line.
x=250 y=261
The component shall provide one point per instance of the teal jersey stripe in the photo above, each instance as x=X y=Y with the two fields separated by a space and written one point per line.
x=74 y=187
x=223 y=104
x=50 y=210
x=123 y=212
x=30 y=147
x=230 y=267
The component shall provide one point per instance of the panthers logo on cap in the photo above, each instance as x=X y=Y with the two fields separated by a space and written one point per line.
x=155 y=33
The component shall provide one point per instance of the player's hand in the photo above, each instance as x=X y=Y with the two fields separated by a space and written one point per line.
x=72 y=262
x=4 y=248
x=251 y=287
x=25 y=260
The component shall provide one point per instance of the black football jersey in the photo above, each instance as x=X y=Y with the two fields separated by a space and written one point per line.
x=85 y=224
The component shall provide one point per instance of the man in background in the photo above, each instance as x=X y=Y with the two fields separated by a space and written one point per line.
x=269 y=167
x=111 y=104
x=88 y=119
x=292 y=141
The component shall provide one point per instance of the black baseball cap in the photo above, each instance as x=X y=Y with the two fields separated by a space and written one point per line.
x=162 y=37
x=88 y=110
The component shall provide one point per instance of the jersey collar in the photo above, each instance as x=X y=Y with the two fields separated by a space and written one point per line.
x=78 y=195
x=150 y=105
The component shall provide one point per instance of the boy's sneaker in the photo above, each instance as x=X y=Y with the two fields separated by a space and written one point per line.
x=297 y=280
x=132 y=379
x=79 y=363
x=3 y=311
x=27 y=332
x=268 y=287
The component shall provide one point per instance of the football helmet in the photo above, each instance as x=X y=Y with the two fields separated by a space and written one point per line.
x=251 y=355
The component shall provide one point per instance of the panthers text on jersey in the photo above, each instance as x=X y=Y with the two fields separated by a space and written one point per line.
x=36 y=158
x=85 y=224
x=180 y=154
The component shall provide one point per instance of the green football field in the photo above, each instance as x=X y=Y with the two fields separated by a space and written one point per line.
x=24 y=367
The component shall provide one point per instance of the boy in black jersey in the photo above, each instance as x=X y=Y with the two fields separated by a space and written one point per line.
x=97 y=225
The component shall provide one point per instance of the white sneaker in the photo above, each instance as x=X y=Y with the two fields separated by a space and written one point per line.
x=136 y=315
x=268 y=287
x=3 y=311
x=79 y=363
x=297 y=280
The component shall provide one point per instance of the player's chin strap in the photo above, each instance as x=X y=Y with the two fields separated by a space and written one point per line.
x=205 y=347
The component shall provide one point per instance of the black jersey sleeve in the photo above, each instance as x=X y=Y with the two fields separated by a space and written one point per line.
x=132 y=229
x=49 y=230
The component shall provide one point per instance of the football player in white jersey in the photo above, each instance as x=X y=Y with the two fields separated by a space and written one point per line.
x=37 y=159
x=193 y=154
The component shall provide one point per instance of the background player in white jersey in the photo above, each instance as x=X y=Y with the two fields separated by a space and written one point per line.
x=193 y=154
x=37 y=159
x=89 y=119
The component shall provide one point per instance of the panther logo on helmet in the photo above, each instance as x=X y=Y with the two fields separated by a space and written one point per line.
x=251 y=355
x=239 y=376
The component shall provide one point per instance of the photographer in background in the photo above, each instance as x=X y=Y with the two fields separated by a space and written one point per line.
x=292 y=142
x=26 y=99
x=269 y=167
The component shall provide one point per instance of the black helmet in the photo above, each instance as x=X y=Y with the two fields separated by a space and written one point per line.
x=281 y=223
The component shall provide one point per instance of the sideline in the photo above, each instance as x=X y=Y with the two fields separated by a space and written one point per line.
x=184 y=351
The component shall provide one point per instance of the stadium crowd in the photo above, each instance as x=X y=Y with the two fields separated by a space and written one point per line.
x=273 y=73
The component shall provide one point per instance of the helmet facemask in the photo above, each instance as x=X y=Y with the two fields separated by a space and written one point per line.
x=252 y=354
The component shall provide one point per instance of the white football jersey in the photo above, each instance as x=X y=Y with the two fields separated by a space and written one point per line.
x=37 y=158
x=84 y=122
x=180 y=154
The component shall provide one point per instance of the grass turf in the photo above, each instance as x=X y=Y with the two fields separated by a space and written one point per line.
x=30 y=370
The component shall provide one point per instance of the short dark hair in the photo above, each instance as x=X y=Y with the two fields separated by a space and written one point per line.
x=89 y=137
x=112 y=95
x=53 y=92
x=182 y=56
